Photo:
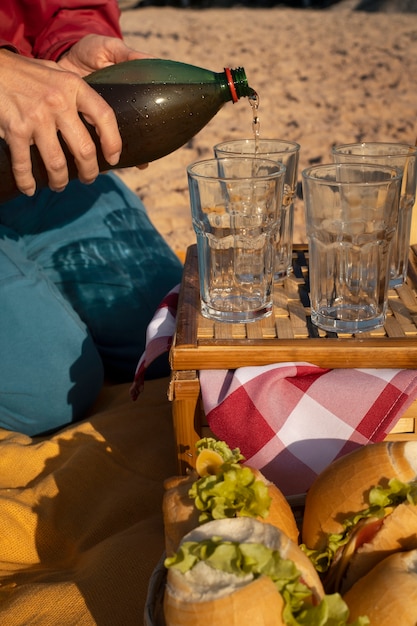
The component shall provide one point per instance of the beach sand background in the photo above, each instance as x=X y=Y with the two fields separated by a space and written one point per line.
x=323 y=76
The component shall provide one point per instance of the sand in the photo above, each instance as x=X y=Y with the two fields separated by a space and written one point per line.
x=323 y=77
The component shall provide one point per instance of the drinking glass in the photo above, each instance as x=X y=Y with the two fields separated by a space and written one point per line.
x=401 y=155
x=287 y=153
x=351 y=217
x=236 y=208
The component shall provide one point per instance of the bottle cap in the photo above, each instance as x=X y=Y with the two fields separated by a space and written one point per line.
x=231 y=84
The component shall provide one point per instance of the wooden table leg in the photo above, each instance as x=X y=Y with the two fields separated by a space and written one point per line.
x=185 y=396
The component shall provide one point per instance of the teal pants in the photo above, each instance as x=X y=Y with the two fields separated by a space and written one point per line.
x=81 y=274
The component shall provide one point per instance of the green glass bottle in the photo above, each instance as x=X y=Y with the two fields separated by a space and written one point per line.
x=159 y=105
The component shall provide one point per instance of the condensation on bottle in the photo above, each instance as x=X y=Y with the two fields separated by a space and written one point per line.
x=159 y=105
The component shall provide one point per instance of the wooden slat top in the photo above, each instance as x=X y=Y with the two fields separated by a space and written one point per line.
x=288 y=334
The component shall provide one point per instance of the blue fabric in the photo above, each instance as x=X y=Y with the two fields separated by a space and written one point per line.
x=81 y=274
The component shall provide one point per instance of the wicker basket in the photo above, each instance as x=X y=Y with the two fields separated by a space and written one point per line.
x=154 y=612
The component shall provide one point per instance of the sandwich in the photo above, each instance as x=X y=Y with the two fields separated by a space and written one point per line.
x=221 y=487
x=240 y=571
x=359 y=510
x=388 y=593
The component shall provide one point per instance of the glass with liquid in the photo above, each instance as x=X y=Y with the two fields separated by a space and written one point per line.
x=287 y=153
x=351 y=218
x=236 y=207
x=399 y=155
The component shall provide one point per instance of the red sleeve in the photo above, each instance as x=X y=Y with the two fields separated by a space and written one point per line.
x=47 y=29
x=70 y=25
x=4 y=43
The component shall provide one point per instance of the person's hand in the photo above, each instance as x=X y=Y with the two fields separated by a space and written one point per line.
x=94 y=52
x=40 y=98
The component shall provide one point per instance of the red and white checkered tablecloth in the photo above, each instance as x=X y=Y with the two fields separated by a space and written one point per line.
x=290 y=420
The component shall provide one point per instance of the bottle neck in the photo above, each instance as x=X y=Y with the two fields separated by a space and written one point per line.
x=238 y=83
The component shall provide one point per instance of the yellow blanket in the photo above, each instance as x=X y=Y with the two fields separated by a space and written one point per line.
x=80 y=514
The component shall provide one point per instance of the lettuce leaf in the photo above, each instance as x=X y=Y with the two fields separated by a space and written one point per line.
x=221 y=448
x=254 y=558
x=396 y=493
x=233 y=491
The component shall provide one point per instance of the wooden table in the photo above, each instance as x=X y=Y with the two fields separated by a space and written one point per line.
x=287 y=335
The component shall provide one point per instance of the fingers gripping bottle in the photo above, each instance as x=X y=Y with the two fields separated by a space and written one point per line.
x=159 y=105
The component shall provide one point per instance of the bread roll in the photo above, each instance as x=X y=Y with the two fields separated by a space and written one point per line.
x=388 y=593
x=341 y=491
x=280 y=513
x=205 y=596
x=398 y=532
x=342 y=487
x=257 y=604
x=178 y=510
x=181 y=515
